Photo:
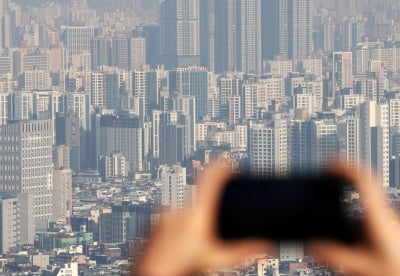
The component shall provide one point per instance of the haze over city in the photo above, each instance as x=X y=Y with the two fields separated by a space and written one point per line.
x=110 y=110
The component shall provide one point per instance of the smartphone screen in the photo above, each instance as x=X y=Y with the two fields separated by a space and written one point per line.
x=293 y=208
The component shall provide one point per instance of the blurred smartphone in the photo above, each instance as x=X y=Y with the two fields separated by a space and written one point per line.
x=289 y=209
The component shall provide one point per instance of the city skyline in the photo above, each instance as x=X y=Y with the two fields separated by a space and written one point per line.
x=110 y=111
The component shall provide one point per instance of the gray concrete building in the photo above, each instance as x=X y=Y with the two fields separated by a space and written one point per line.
x=26 y=165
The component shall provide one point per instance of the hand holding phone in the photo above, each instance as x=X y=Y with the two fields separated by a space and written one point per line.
x=292 y=208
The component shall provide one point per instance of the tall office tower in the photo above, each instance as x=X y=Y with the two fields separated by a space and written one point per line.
x=101 y=52
x=249 y=36
x=374 y=138
x=300 y=146
x=27 y=165
x=120 y=52
x=192 y=81
x=324 y=143
x=78 y=40
x=226 y=36
x=173 y=138
x=268 y=147
x=207 y=34
x=342 y=75
x=62 y=193
x=137 y=55
x=179 y=33
x=173 y=180
x=122 y=134
x=300 y=38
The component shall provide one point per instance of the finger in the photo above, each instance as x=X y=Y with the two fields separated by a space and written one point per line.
x=364 y=180
x=377 y=211
x=211 y=185
x=351 y=260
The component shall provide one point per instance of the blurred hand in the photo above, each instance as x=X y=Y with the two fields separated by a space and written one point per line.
x=188 y=244
x=380 y=255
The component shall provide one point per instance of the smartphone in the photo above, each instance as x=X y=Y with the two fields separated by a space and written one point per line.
x=288 y=209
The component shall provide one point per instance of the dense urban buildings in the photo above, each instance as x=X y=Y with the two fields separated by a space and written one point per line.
x=110 y=110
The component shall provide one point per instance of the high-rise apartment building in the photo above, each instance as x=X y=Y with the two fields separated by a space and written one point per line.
x=268 y=147
x=288 y=28
x=151 y=34
x=250 y=41
x=120 y=52
x=324 y=143
x=9 y=222
x=374 y=138
x=238 y=36
x=26 y=165
x=226 y=36
x=179 y=33
x=137 y=55
x=207 y=34
x=101 y=52
x=173 y=181
x=300 y=30
x=300 y=146
x=342 y=71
